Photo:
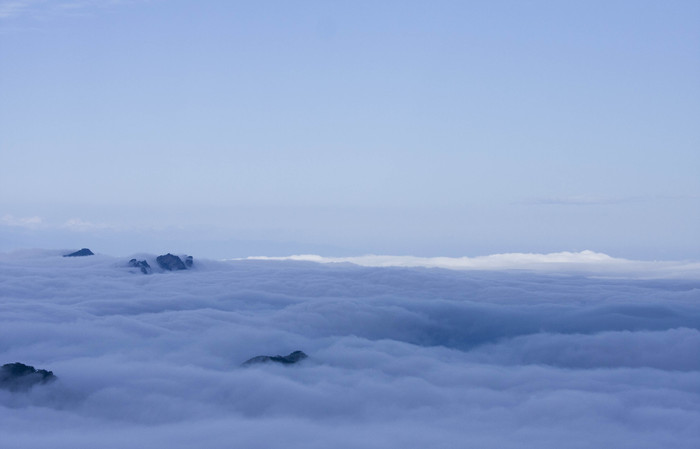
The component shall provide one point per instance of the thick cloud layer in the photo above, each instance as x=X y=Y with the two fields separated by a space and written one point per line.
x=399 y=357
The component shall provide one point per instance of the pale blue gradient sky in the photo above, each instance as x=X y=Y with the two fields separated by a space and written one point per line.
x=342 y=128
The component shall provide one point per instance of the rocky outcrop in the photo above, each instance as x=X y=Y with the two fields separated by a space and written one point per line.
x=141 y=264
x=80 y=253
x=170 y=262
x=20 y=377
x=294 y=357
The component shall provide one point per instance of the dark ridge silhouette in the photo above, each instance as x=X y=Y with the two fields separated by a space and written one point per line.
x=170 y=262
x=294 y=357
x=80 y=253
x=20 y=377
x=142 y=264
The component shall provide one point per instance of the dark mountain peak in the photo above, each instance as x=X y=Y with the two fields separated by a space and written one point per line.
x=170 y=262
x=80 y=253
x=18 y=376
x=292 y=358
x=141 y=264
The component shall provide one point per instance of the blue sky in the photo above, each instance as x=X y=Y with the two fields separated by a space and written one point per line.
x=344 y=128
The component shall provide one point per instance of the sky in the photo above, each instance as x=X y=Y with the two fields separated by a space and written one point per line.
x=398 y=357
x=233 y=129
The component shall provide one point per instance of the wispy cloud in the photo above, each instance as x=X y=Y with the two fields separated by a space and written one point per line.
x=41 y=9
x=75 y=224
x=15 y=8
x=580 y=200
x=80 y=225
x=22 y=222
x=593 y=200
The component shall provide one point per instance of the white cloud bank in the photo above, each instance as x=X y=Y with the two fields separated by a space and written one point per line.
x=399 y=357
x=586 y=262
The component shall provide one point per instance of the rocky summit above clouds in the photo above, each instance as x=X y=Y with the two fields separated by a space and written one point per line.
x=80 y=253
x=172 y=262
x=167 y=262
x=294 y=357
x=20 y=377
x=141 y=264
